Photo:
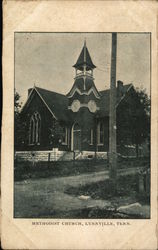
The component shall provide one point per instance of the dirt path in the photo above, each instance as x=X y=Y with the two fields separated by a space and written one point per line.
x=45 y=196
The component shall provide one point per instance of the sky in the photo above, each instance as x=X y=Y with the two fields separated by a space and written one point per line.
x=46 y=59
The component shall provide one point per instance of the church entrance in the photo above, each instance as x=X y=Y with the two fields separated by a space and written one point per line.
x=76 y=137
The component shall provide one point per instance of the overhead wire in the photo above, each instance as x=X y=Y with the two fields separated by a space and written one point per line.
x=103 y=70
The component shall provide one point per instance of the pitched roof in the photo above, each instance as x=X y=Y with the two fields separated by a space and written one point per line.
x=84 y=58
x=105 y=100
x=57 y=103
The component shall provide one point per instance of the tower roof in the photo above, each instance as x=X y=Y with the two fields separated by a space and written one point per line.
x=84 y=59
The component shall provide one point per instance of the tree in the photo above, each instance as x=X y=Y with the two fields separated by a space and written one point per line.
x=19 y=125
x=56 y=134
x=133 y=119
x=17 y=103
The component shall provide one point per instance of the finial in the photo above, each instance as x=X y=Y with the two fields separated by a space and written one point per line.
x=85 y=50
x=85 y=42
x=35 y=84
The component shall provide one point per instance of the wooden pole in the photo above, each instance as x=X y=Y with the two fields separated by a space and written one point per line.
x=95 y=139
x=112 y=117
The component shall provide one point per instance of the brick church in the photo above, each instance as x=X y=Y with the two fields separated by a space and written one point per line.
x=77 y=121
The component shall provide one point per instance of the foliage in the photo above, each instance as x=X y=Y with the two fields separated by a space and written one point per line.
x=56 y=134
x=133 y=119
x=144 y=100
x=17 y=103
x=19 y=125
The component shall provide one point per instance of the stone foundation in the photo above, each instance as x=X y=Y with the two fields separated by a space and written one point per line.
x=52 y=155
x=56 y=155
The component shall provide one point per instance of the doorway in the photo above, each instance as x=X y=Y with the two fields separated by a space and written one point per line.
x=76 y=137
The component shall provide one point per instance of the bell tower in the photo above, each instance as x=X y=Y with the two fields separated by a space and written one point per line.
x=84 y=65
x=84 y=92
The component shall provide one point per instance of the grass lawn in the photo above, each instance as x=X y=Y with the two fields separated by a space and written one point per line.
x=127 y=191
x=44 y=197
x=92 y=213
x=26 y=170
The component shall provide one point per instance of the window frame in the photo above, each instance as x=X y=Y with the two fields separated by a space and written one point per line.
x=99 y=143
x=35 y=130
x=91 y=137
x=65 y=142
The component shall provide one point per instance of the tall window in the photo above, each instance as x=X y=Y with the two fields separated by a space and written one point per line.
x=35 y=128
x=100 y=133
x=65 y=136
x=91 y=136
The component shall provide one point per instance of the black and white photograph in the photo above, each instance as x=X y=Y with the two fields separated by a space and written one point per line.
x=82 y=125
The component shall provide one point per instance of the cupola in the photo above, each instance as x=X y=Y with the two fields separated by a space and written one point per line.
x=84 y=93
x=84 y=65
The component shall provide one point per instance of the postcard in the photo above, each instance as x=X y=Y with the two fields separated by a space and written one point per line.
x=79 y=130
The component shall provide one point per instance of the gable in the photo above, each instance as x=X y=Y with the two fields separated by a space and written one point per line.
x=35 y=104
x=91 y=90
x=55 y=103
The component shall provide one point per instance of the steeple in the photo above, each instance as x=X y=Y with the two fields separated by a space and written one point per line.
x=85 y=50
x=84 y=93
x=84 y=59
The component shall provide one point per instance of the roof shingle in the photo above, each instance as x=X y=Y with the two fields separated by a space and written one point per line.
x=105 y=100
x=57 y=103
x=84 y=58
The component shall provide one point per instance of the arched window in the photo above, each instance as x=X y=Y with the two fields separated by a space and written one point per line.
x=35 y=129
x=100 y=133
x=65 y=136
x=32 y=131
x=91 y=136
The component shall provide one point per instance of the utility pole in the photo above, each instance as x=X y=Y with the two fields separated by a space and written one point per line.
x=112 y=118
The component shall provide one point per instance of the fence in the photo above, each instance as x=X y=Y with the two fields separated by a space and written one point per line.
x=43 y=164
x=56 y=155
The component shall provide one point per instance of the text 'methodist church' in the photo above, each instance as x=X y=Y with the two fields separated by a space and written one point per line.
x=77 y=121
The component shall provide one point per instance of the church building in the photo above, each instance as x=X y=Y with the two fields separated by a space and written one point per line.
x=77 y=121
